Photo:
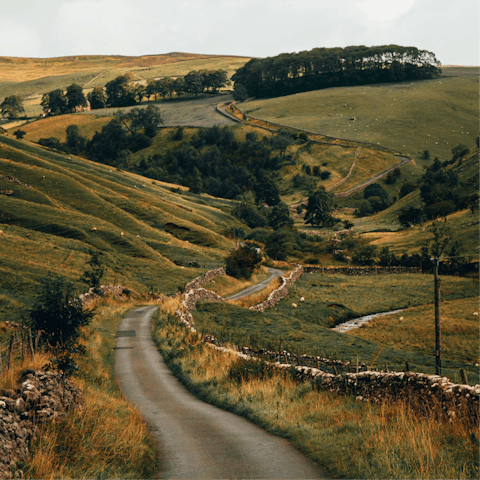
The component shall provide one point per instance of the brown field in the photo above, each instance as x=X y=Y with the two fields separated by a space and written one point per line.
x=16 y=69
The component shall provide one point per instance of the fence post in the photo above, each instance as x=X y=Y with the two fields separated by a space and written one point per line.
x=463 y=373
x=30 y=342
x=10 y=352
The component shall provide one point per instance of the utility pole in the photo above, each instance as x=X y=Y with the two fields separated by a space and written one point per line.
x=438 y=330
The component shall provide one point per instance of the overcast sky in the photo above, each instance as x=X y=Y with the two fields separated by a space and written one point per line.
x=260 y=28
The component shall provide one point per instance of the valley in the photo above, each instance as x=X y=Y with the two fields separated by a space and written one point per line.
x=163 y=207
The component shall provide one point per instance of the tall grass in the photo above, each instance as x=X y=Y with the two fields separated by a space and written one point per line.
x=351 y=439
x=259 y=297
x=108 y=439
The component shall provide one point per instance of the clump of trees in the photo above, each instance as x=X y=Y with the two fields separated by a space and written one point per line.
x=57 y=102
x=290 y=73
x=126 y=132
x=12 y=107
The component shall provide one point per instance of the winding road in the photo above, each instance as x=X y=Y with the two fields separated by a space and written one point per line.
x=195 y=439
x=274 y=273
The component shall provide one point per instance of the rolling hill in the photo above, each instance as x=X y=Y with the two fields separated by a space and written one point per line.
x=51 y=205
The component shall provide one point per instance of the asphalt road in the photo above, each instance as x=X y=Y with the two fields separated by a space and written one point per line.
x=274 y=273
x=195 y=439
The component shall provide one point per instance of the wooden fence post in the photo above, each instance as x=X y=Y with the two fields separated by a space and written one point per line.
x=30 y=342
x=10 y=352
x=463 y=373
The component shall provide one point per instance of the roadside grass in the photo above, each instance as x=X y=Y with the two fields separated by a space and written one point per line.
x=259 y=297
x=226 y=285
x=432 y=115
x=414 y=329
x=108 y=439
x=351 y=439
x=48 y=227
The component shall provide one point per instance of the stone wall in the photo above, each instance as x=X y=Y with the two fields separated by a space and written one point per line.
x=90 y=296
x=424 y=393
x=207 y=277
x=361 y=270
x=41 y=397
x=281 y=291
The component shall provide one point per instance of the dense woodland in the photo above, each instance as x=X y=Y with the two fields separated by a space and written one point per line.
x=290 y=73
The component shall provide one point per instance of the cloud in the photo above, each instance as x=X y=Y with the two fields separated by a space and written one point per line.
x=18 y=40
x=100 y=27
x=384 y=10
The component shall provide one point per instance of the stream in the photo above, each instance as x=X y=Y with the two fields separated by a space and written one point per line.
x=358 y=322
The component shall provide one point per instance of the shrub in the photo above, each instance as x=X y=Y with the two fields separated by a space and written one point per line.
x=19 y=134
x=95 y=272
x=242 y=263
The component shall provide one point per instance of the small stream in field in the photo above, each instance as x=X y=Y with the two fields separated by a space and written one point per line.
x=358 y=322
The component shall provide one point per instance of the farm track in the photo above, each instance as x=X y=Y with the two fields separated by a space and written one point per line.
x=195 y=439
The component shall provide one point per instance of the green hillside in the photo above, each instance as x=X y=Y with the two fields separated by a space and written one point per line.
x=434 y=115
x=52 y=202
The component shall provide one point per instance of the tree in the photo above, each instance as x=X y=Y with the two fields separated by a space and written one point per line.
x=97 y=98
x=242 y=263
x=194 y=82
x=12 y=107
x=246 y=210
x=410 y=216
x=75 y=97
x=94 y=272
x=75 y=142
x=58 y=313
x=319 y=208
x=147 y=119
x=240 y=93
x=365 y=254
x=54 y=102
x=425 y=155
x=21 y=133
x=120 y=91
x=280 y=217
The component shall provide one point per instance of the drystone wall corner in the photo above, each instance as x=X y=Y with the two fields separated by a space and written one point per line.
x=41 y=397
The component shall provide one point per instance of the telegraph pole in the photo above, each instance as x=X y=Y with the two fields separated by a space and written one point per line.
x=438 y=330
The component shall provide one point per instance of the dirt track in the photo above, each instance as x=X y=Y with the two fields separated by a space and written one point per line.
x=195 y=439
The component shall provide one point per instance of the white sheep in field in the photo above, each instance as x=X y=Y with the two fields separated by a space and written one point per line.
x=294 y=305
x=302 y=299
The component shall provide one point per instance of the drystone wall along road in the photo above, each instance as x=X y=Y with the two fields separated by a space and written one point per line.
x=41 y=397
x=280 y=292
x=197 y=440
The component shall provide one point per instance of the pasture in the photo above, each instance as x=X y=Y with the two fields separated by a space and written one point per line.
x=434 y=115
x=142 y=226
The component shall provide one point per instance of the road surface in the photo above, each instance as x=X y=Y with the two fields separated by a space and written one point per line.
x=195 y=439
x=274 y=273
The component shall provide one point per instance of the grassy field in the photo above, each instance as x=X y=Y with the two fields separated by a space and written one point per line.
x=331 y=299
x=48 y=227
x=32 y=77
x=395 y=443
x=434 y=115
x=414 y=329
x=109 y=439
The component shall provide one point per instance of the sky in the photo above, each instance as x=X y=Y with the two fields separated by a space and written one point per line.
x=251 y=28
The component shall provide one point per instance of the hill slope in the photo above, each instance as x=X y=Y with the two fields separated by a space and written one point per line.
x=52 y=202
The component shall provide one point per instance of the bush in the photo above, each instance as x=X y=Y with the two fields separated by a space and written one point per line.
x=242 y=263
x=19 y=134
x=59 y=313
x=95 y=272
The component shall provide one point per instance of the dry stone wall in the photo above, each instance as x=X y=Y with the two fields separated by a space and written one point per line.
x=422 y=392
x=280 y=292
x=41 y=397
x=90 y=296
x=207 y=277
x=361 y=270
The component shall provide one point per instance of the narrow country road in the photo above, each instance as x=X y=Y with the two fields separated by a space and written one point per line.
x=195 y=439
x=274 y=273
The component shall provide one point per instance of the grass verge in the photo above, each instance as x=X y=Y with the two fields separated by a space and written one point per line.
x=351 y=439
x=109 y=439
